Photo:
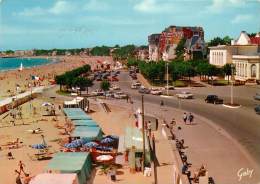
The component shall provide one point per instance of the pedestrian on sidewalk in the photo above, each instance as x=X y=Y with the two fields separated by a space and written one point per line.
x=185 y=117
x=149 y=128
x=191 y=117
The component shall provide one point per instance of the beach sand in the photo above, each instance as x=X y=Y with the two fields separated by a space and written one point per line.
x=9 y=79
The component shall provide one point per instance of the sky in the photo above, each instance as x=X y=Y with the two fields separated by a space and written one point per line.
x=47 y=24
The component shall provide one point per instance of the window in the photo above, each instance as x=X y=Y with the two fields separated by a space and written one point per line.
x=253 y=70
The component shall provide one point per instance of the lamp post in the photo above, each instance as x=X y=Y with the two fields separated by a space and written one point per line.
x=167 y=77
x=232 y=90
x=143 y=156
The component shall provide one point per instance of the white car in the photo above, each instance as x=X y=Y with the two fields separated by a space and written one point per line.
x=120 y=95
x=98 y=92
x=114 y=87
x=109 y=94
x=156 y=92
x=185 y=95
x=135 y=85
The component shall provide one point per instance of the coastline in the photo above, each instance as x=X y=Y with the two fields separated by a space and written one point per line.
x=50 y=61
x=10 y=78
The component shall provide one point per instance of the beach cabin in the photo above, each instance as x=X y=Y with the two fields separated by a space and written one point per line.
x=76 y=114
x=73 y=162
x=91 y=133
x=53 y=178
x=86 y=122
x=132 y=144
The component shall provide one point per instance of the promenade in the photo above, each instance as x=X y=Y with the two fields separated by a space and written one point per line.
x=206 y=144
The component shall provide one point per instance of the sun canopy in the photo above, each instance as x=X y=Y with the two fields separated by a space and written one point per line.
x=47 y=178
x=92 y=133
x=133 y=137
x=75 y=162
x=76 y=114
x=85 y=122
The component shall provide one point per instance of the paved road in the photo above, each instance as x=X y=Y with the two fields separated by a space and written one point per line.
x=243 y=124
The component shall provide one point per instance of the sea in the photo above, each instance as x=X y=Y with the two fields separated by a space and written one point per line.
x=15 y=63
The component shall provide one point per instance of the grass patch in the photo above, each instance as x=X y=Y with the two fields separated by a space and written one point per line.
x=220 y=82
x=64 y=93
x=180 y=83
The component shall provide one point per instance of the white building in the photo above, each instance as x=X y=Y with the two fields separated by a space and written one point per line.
x=244 y=53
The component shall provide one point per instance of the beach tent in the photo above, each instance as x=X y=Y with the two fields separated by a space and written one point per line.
x=133 y=138
x=52 y=178
x=84 y=123
x=75 y=114
x=91 y=133
x=72 y=162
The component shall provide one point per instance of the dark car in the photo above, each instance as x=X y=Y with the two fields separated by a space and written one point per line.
x=213 y=99
x=257 y=109
x=257 y=96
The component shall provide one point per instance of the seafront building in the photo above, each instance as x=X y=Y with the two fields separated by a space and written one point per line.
x=244 y=53
x=163 y=46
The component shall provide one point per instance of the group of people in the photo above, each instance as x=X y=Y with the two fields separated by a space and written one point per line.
x=188 y=118
x=26 y=178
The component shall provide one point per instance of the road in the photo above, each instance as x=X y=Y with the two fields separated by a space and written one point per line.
x=242 y=124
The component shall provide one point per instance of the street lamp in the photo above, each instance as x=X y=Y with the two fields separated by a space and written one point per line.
x=167 y=77
x=232 y=85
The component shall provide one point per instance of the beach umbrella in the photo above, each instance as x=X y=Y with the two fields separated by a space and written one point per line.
x=71 y=145
x=91 y=145
x=104 y=148
x=107 y=140
x=80 y=142
x=112 y=136
x=38 y=146
x=104 y=158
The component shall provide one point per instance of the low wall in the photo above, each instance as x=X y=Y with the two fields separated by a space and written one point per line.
x=178 y=177
x=5 y=108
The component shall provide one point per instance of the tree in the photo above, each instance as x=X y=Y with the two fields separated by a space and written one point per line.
x=60 y=79
x=82 y=83
x=227 y=40
x=100 y=51
x=180 y=47
x=220 y=41
x=105 y=85
x=227 y=68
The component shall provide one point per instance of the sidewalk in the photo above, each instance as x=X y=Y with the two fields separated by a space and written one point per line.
x=207 y=144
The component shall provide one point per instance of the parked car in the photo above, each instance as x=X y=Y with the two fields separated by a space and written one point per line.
x=98 y=92
x=113 y=79
x=257 y=109
x=109 y=94
x=114 y=87
x=169 y=87
x=120 y=95
x=257 y=96
x=213 y=99
x=144 y=90
x=136 y=85
x=156 y=92
x=185 y=95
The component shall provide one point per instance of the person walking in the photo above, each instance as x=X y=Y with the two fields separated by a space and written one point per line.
x=21 y=167
x=191 y=117
x=18 y=177
x=149 y=128
x=185 y=117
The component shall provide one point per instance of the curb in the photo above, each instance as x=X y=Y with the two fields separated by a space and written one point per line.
x=232 y=107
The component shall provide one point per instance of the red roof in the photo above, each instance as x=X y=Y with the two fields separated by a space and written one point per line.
x=255 y=40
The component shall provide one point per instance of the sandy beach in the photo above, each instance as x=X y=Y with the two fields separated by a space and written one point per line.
x=9 y=79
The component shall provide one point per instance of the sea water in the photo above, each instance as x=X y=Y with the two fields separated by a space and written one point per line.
x=15 y=63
